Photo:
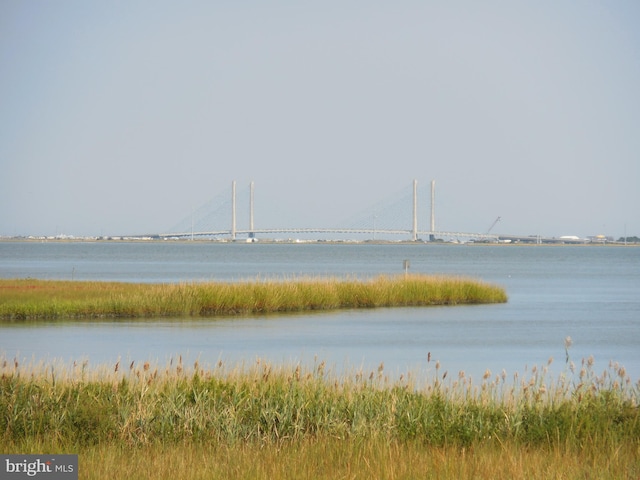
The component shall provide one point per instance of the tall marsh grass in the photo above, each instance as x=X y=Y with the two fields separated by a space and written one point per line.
x=33 y=299
x=138 y=404
x=261 y=420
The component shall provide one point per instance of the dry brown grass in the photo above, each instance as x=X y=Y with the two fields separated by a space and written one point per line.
x=367 y=458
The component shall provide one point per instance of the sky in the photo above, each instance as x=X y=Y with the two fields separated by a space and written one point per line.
x=123 y=117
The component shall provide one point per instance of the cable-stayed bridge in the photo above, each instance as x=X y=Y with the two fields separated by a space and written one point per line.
x=398 y=215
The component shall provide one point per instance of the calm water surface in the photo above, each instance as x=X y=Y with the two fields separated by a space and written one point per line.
x=591 y=294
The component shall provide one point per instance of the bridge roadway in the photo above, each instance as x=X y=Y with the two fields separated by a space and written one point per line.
x=361 y=231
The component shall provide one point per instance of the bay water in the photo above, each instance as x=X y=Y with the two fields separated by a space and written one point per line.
x=588 y=293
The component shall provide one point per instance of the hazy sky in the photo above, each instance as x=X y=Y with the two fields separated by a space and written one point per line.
x=122 y=117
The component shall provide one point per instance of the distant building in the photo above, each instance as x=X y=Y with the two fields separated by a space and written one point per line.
x=599 y=239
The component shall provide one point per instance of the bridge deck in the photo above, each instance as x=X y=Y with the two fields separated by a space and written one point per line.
x=355 y=231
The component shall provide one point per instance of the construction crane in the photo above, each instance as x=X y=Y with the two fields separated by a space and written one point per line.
x=493 y=225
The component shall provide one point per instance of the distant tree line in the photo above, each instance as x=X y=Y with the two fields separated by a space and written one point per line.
x=633 y=239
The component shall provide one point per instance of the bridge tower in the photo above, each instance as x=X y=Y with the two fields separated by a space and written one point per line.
x=251 y=232
x=432 y=236
x=233 y=210
x=414 y=231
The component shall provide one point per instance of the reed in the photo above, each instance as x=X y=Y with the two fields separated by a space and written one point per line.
x=139 y=404
x=257 y=420
x=39 y=299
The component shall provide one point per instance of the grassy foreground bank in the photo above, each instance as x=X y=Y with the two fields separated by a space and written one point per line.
x=33 y=299
x=260 y=421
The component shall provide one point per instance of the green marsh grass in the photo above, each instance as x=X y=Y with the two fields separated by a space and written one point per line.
x=259 y=420
x=42 y=299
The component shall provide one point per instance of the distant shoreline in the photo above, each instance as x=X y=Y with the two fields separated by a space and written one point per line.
x=70 y=239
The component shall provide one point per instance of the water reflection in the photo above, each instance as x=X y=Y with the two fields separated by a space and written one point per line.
x=588 y=293
x=462 y=338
